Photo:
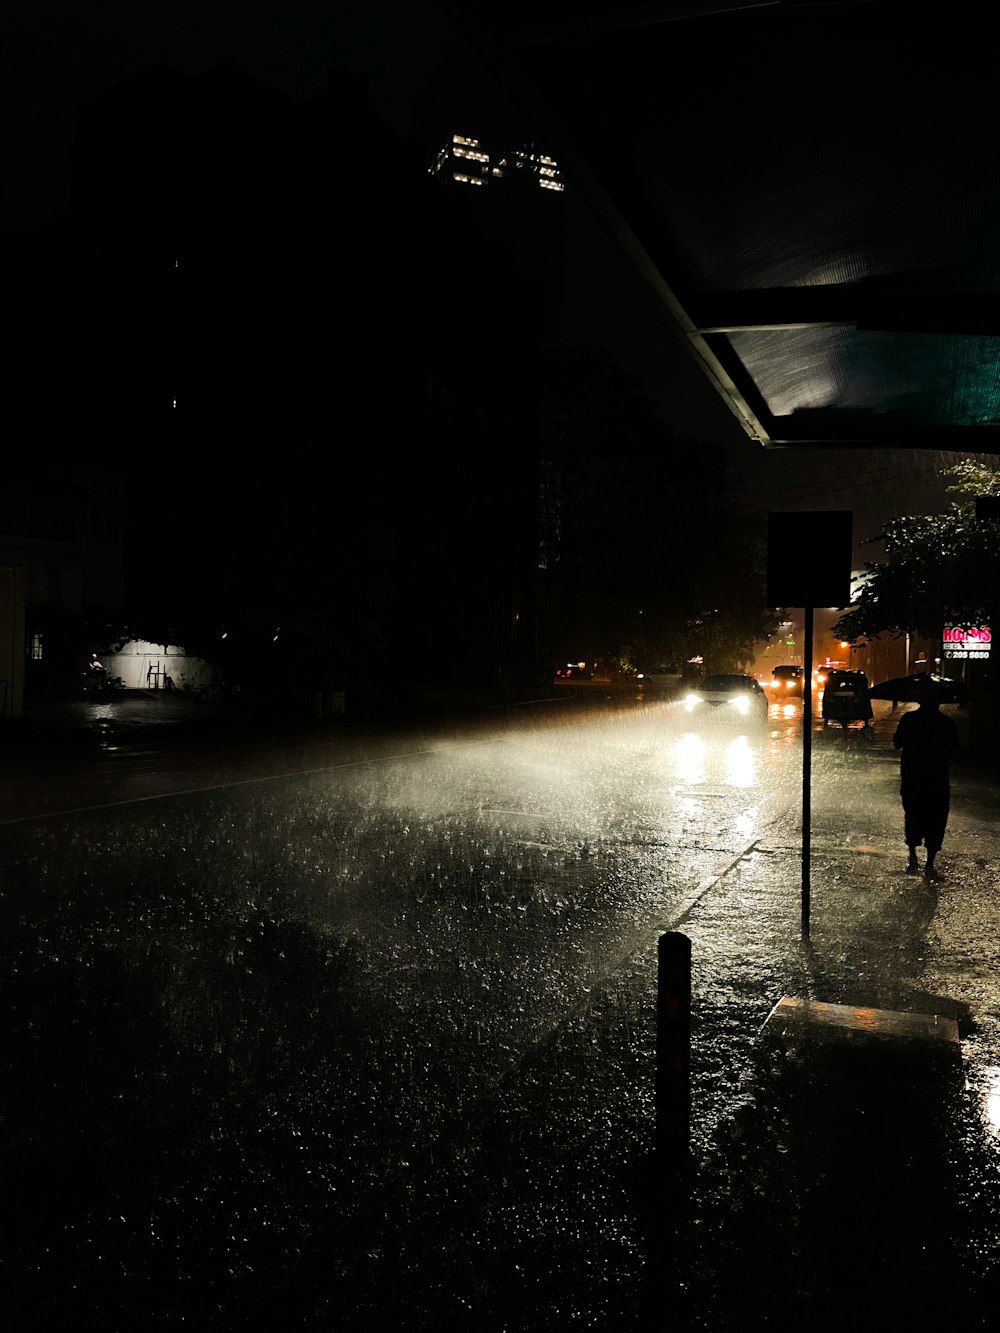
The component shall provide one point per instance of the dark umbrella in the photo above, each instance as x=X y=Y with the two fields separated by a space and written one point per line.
x=915 y=689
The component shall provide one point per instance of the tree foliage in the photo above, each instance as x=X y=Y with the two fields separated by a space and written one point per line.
x=939 y=567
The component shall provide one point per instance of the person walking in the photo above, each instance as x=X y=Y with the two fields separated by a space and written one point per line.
x=926 y=740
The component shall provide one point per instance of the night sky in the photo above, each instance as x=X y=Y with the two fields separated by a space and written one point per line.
x=420 y=73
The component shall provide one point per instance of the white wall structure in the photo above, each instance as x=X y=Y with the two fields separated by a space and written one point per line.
x=156 y=666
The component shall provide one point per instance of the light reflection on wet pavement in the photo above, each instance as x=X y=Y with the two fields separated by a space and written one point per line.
x=373 y=1042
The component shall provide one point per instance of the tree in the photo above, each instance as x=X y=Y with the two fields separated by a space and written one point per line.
x=938 y=568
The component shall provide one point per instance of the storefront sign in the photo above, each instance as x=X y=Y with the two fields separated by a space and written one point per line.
x=966 y=644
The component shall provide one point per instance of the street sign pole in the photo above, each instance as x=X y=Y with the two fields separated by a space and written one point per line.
x=808 y=565
x=807 y=705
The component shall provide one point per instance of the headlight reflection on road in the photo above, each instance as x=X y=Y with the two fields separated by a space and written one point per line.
x=746 y=823
x=688 y=808
x=741 y=768
x=691 y=758
x=738 y=761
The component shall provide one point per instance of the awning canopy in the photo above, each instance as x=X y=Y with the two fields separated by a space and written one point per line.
x=810 y=188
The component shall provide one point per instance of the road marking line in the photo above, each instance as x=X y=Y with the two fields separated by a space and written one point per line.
x=710 y=883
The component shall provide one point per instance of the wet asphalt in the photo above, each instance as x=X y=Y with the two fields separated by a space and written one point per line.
x=828 y=1176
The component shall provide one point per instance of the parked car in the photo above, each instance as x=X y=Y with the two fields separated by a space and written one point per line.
x=846 y=698
x=570 y=672
x=727 y=699
x=787 y=679
x=662 y=679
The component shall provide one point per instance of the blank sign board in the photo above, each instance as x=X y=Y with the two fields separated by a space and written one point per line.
x=809 y=557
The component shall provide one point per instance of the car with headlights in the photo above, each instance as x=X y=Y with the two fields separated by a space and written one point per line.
x=728 y=698
x=821 y=672
x=786 y=680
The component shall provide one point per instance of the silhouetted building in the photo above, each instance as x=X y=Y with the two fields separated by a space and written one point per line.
x=60 y=570
x=330 y=451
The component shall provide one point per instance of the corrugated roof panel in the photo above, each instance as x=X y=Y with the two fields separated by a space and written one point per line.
x=808 y=188
x=926 y=379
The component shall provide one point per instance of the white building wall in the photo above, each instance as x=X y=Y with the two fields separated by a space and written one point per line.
x=143 y=665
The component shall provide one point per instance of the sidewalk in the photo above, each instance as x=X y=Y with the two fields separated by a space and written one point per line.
x=851 y=1180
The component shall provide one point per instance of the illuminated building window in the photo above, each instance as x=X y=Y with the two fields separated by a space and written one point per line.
x=35 y=648
x=497 y=165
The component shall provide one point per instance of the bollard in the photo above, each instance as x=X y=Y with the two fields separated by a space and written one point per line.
x=666 y=1193
x=673 y=1047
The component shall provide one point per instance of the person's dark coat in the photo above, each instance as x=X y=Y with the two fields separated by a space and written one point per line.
x=926 y=739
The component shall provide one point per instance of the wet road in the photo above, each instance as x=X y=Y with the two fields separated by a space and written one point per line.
x=260 y=992
x=97 y=754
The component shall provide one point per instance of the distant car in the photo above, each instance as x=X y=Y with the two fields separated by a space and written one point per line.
x=571 y=671
x=667 y=679
x=787 y=679
x=821 y=672
x=727 y=699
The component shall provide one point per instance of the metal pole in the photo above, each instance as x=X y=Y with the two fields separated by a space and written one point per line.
x=807 y=707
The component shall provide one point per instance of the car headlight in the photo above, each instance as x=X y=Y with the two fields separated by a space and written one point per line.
x=741 y=703
x=789 y=684
x=692 y=701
